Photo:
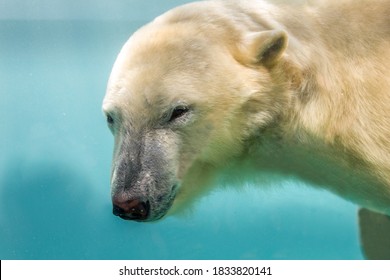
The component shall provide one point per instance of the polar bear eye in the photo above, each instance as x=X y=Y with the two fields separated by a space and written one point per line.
x=110 y=119
x=178 y=112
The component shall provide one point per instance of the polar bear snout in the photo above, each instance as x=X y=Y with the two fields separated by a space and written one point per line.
x=131 y=209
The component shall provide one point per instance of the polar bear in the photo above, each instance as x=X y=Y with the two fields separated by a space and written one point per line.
x=231 y=88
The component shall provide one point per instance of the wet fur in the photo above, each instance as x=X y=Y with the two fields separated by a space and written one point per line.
x=315 y=107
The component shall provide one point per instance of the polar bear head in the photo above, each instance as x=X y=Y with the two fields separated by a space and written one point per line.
x=185 y=94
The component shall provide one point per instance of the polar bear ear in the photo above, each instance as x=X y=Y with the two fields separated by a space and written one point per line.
x=266 y=47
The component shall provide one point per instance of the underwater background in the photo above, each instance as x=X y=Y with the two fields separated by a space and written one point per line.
x=55 y=156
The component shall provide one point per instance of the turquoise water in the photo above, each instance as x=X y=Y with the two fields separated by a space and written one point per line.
x=55 y=161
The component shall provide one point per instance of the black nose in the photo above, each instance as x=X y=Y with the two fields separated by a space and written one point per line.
x=132 y=209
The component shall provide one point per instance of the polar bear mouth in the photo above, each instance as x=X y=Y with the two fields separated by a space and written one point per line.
x=161 y=212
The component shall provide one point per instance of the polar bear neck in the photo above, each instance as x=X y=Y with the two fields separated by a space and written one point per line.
x=273 y=158
x=332 y=135
x=343 y=76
